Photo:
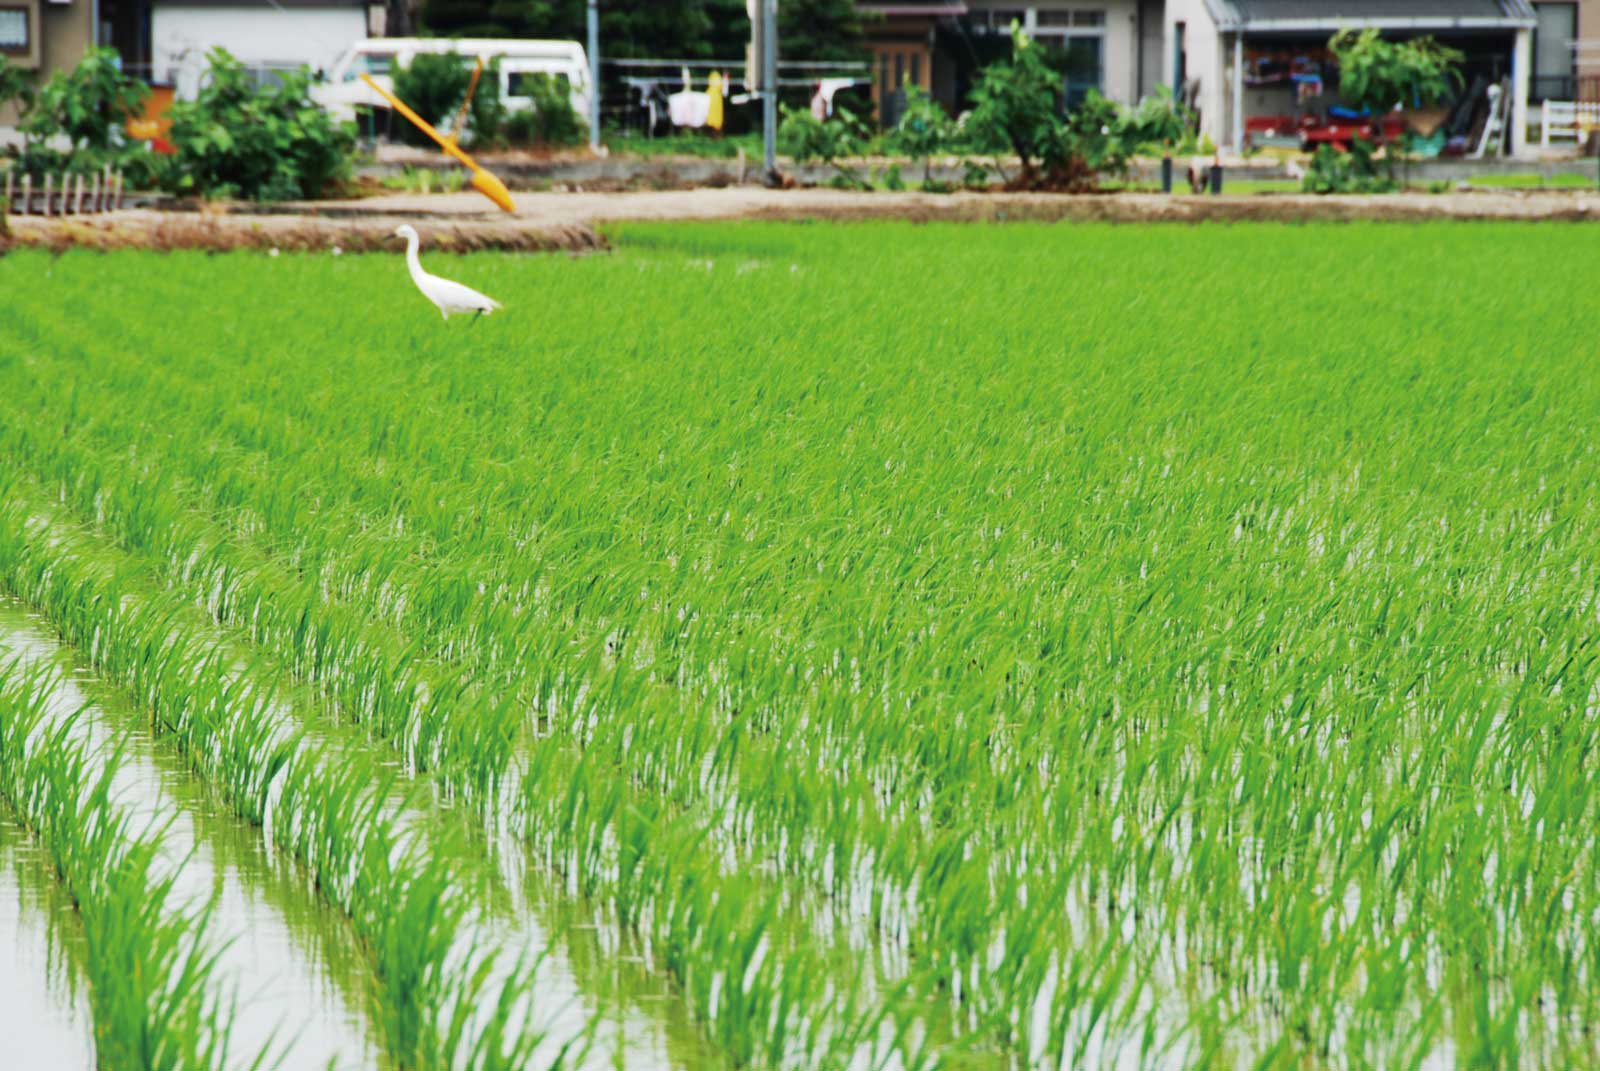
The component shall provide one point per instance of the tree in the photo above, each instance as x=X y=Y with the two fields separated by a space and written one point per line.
x=1015 y=105
x=498 y=18
x=667 y=29
x=820 y=30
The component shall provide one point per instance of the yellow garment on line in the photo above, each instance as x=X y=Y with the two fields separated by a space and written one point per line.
x=714 y=103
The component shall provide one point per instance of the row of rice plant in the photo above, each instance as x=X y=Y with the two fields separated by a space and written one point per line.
x=442 y=999
x=1136 y=674
x=153 y=992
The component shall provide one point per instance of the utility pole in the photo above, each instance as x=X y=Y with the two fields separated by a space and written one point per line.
x=769 y=98
x=594 y=75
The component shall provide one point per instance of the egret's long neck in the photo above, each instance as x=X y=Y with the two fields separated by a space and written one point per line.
x=412 y=261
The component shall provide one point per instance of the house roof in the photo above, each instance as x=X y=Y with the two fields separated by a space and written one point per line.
x=1390 y=14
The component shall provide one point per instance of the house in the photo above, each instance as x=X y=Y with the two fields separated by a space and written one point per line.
x=1254 y=60
x=1243 y=63
x=44 y=36
x=166 y=41
x=1112 y=46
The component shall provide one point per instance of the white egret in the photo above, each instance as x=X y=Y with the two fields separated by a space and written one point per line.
x=447 y=296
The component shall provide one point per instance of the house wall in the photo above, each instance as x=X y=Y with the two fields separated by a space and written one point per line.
x=257 y=36
x=1589 y=34
x=61 y=34
x=1206 y=61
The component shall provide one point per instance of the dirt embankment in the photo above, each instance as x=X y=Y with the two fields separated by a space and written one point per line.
x=165 y=231
x=545 y=222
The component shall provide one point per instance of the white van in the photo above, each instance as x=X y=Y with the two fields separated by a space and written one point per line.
x=344 y=90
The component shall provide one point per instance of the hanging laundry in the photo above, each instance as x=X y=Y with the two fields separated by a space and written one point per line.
x=689 y=109
x=827 y=89
x=714 y=101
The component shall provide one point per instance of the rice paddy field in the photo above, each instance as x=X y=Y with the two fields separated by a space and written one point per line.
x=807 y=646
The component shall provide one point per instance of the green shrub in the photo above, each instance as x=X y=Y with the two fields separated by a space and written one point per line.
x=268 y=143
x=1161 y=120
x=551 y=121
x=925 y=130
x=1355 y=171
x=806 y=139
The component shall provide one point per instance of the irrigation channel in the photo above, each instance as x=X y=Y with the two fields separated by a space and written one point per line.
x=290 y=970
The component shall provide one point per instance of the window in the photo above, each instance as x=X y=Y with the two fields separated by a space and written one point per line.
x=1554 y=61
x=1085 y=68
x=376 y=64
x=14 y=31
x=1001 y=18
x=1083 y=20
x=916 y=69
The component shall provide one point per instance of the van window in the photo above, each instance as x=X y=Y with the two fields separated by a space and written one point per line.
x=373 y=63
x=520 y=83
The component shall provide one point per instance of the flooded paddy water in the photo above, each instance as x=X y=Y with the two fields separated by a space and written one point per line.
x=44 y=1007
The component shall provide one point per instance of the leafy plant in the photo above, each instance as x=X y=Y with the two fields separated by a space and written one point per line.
x=259 y=142
x=16 y=86
x=88 y=105
x=1356 y=171
x=805 y=139
x=925 y=130
x=1378 y=75
x=1161 y=119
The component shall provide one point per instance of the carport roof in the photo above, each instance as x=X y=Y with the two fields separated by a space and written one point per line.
x=1385 y=14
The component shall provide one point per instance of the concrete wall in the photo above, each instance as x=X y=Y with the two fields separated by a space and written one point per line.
x=181 y=35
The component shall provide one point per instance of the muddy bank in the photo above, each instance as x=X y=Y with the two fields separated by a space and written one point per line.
x=299 y=231
x=567 y=222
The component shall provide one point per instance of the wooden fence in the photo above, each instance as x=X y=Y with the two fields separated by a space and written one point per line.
x=63 y=195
